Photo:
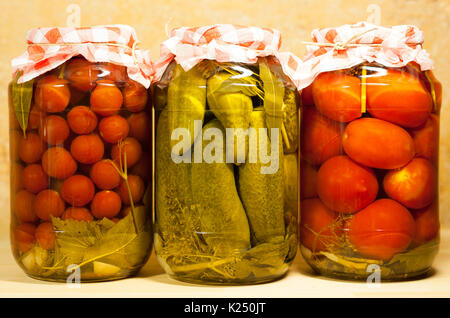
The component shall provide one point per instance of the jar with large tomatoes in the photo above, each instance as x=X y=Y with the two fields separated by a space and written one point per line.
x=80 y=144
x=369 y=171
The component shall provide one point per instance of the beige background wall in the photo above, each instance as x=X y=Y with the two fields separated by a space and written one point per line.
x=294 y=18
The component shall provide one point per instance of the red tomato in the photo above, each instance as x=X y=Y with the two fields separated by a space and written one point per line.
x=45 y=235
x=58 y=163
x=414 y=185
x=31 y=148
x=427 y=224
x=82 y=74
x=48 y=203
x=106 y=99
x=307 y=97
x=426 y=139
x=344 y=186
x=106 y=204
x=337 y=95
x=34 y=178
x=79 y=214
x=23 y=203
x=82 y=120
x=377 y=143
x=399 y=97
x=87 y=149
x=381 y=230
x=319 y=227
x=77 y=190
x=54 y=130
x=320 y=137
x=104 y=175
x=308 y=180
x=113 y=128
x=24 y=236
x=52 y=94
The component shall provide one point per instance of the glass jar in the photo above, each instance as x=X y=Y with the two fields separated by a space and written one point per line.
x=369 y=172
x=226 y=194
x=80 y=142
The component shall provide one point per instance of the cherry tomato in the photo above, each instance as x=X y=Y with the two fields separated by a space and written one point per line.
x=113 y=128
x=45 y=236
x=140 y=127
x=54 y=130
x=87 y=149
x=34 y=178
x=106 y=204
x=381 y=230
x=31 y=148
x=104 y=175
x=144 y=167
x=24 y=236
x=106 y=99
x=79 y=214
x=35 y=118
x=113 y=72
x=82 y=74
x=82 y=120
x=23 y=203
x=16 y=176
x=134 y=96
x=78 y=190
x=133 y=150
x=52 y=94
x=58 y=163
x=48 y=203
x=137 y=189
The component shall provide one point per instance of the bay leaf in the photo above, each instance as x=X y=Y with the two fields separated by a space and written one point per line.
x=21 y=98
x=273 y=87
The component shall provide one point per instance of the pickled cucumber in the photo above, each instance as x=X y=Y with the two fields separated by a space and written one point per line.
x=290 y=121
x=186 y=101
x=262 y=193
x=224 y=224
x=173 y=195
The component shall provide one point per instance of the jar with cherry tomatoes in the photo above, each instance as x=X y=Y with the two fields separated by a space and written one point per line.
x=80 y=143
x=369 y=185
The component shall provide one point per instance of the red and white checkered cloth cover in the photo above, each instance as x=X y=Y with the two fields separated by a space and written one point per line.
x=223 y=43
x=61 y=44
x=399 y=45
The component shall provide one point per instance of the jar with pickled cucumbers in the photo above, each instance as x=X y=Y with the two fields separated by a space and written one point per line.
x=369 y=168
x=80 y=149
x=226 y=152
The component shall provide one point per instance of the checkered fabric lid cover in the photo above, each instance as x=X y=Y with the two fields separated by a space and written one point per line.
x=50 y=47
x=223 y=43
x=350 y=45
